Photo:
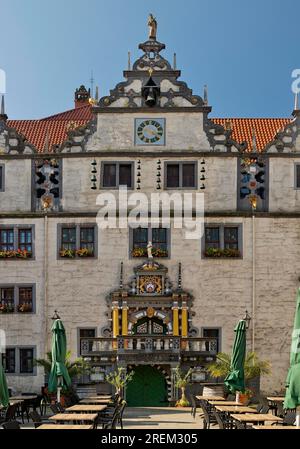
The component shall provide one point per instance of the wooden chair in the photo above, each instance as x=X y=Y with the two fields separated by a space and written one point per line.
x=11 y=425
x=208 y=417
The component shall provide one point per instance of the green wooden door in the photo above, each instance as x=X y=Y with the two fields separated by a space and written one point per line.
x=147 y=388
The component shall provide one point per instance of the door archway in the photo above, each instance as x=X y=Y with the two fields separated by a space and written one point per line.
x=148 y=388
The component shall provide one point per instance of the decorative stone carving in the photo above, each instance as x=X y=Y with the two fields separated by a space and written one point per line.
x=78 y=137
x=12 y=142
x=285 y=141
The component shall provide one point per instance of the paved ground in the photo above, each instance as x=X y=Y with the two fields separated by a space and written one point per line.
x=160 y=418
x=155 y=418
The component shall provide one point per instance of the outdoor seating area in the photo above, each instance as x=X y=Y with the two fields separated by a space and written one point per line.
x=89 y=413
x=222 y=414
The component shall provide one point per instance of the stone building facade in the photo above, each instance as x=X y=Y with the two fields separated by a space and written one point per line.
x=119 y=306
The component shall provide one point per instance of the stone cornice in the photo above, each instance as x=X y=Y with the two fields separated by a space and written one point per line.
x=157 y=153
x=214 y=214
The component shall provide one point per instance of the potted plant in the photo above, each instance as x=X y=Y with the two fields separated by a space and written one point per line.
x=84 y=252
x=119 y=379
x=253 y=367
x=182 y=380
x=76 y=368
x=68 y=253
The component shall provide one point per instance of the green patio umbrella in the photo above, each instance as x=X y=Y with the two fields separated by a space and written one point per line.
x=4 y=396
x=59 y=376
x=235 y=380
x=292 y=395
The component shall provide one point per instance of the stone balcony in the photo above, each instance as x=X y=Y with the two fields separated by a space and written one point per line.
x=145 y=348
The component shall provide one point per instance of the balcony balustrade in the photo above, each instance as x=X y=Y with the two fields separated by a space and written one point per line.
x=148 y=344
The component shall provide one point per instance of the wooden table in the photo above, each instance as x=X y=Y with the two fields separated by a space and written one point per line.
x=255 y=418
x=86 y=408
x=94 y=401
x=276 y=398
x=101 y=396
x=210 y=398
x=224 y=403
x=84 y=417
x=235 y=409
x=22 y=398
x=65 y=427
x=277 y=427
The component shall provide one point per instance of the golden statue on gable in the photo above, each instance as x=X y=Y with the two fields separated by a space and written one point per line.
x=152 y=23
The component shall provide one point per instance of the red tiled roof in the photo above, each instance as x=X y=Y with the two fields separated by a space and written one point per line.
x=56 y=127
x=265 y=129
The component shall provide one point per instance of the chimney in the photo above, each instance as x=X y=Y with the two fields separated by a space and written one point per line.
x=81 y=96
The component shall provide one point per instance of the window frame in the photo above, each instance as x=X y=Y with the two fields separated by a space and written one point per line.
x=16 y=244
x=78 y=227
x=17 y=360
x=16 y=288
x=149 y=227
x=117 y=163
x=2 y=178
x=180 y=163
x=221 y=227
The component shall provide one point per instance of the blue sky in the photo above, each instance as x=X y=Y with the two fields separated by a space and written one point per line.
x=243 y=50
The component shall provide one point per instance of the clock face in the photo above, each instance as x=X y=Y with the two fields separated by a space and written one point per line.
x=150 y=132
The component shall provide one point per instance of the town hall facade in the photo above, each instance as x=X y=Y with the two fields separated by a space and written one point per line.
x=119 y=306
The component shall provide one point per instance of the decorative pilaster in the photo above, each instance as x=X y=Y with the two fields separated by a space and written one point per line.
x=124 y=319
x=184 y=318
x=175 y=319
x=115 y=322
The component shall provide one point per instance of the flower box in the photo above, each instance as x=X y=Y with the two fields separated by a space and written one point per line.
x=18 y=254
x=7 y=308
x=68 y=253
x=71 y=253
x=84 y=252
x=142 y=252
x=217 y=252
x=26 y=307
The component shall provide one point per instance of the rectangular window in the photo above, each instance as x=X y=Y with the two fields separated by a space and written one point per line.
x=87 y=239
x=9 y=360
x=1 y=178
x=231 y=237
x=212 y=333
x=86 y=334
x=77 y=241
x=6 y=239
x=68 y=240
x=297 y=176
x=16 y=241
x=7 y=302
x=223 y=241
x=159 y=237
x=212 y=237
x=25 y=299
x=26 y=360
x=115 y=174
x=173 y=175
x=182 y=175
x=25 y=239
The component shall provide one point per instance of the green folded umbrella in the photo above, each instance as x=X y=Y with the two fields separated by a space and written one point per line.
x=235 y=380
x=59 y=375
x=4 y=396
x=292 y=395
